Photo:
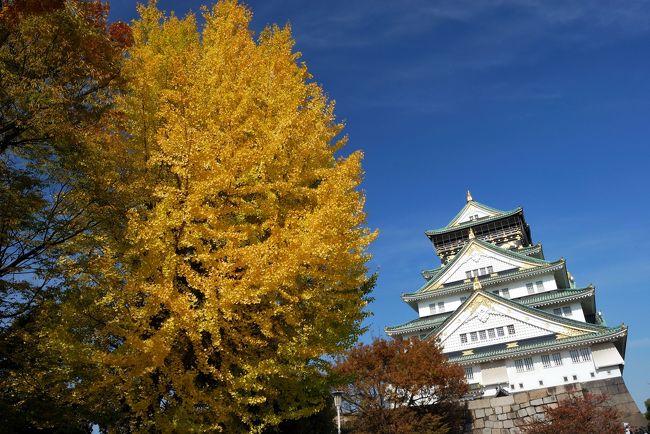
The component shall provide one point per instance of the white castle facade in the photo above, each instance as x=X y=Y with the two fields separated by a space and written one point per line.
x=513 y=319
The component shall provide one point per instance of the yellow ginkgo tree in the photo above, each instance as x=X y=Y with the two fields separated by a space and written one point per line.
x=243 y=266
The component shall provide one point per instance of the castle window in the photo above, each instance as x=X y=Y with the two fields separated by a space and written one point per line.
x=566 y=310
x=585 y=355
x=546 y=360
x=575 y=356
x=491 y=333
x=511 y=329
x=500 y=332
x=566 y=379
x=519 y=365
x=441 y=307
x=482 y=272
x=505 y=293
x=468 y=274
x=512 y=386
x=521 y=385
x=496 y=291
x=557 y=311
x=541 y=383
x=528 y=362
x=557 y=359
x=482 y=335
x=463 y=338
x=432 y=308
x=575 y=377
x=592 y=375
x=540 y=285
x=530 y=288
x=469 y=373
x=490 y=269
x=473 y=336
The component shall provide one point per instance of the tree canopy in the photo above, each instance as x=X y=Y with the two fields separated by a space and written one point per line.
x=401 y=386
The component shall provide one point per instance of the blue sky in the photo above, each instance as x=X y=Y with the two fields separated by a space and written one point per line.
x=540 y=104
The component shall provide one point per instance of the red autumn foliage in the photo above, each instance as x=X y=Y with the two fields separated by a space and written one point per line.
x=588 y=414
x=401 y=386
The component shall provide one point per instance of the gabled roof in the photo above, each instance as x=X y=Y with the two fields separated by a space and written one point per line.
x=492 y=212
x=480 y=297
x=480 y=221
x=538 y=300
x=558 y=267
x=473 y=244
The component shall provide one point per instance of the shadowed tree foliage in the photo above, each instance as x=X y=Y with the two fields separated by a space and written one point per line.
x=400 y=387
x=588 y=414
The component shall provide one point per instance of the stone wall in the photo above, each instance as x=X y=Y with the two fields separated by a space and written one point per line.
x=506 y=414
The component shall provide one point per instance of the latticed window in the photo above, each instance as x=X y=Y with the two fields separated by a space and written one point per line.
x=500 y=332
x=511 y=329
x=566 y=310
x=557 y=311
x=463 y=338
x=490 y=269
x=519 y=365
x=469 y=372
x=557 y=359
x=546 y=360
x=575 y=356
x=491 y=333
x=528 y=363
x=432 y=308
x=474 y=336
x=505 y=293
x=585 y=354
x=441 y=306
x=540 y=285
x=482 y=335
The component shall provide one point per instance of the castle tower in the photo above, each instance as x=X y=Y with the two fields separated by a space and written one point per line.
x=513 y=319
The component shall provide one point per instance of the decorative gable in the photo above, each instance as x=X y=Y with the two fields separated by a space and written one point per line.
x=485 y=319
x=480 y=258
x=472 y=212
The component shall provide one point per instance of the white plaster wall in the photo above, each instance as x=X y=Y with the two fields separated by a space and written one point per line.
x=518 y=288
x=576 y=311
x=452 y=303
x=479 y=260
x=554 y=375
x=523 y=330
x=470 y=211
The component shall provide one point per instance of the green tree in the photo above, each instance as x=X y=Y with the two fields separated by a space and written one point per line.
x=401 y=387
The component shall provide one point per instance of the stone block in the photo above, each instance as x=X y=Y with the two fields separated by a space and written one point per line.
x=502 y=416
x=478 y=403
x=521 y=398
x=506 y=408
x=478 y=423
x=522 y=412
x=489 y=424
x=498 y=424
x=508 y=423
x=540 y=409
x=515 y=407
x=538 y=394
x=479 y=412
x=538 y=401
x=501 y=401
x=552 y=405
x=496 y=430
x=487 y=430
x=530 y=411
x=549 y=399
x=498 y=410
x=492 y=417
x=489 y=411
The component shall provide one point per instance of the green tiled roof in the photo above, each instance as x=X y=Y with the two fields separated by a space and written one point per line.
x=530 y=250
x=462 y=286
x=510 y=253
x=424 y=323
x=449 y=228
x=606 y=334
x=430 y=274
x=550 y=297
x=478 y=205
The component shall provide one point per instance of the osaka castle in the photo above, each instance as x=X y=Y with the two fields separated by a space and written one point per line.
x=513 y=319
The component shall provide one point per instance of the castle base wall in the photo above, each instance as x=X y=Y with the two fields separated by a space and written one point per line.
x=506 y=414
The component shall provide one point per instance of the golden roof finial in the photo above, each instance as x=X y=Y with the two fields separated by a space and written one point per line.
x=477 y=283
x=469 y=196
x=471 y=235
